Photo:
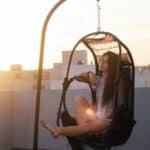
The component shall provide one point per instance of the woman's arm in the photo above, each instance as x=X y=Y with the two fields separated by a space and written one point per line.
x=87 y=77
x=92 y=78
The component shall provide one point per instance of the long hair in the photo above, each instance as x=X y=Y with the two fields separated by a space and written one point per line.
x=109 y=86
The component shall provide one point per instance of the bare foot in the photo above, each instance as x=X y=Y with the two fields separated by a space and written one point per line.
x=54 y=131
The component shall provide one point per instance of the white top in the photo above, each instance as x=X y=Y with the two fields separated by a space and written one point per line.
x=101 y=110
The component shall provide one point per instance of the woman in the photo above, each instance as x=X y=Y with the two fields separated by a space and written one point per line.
x=93 y=119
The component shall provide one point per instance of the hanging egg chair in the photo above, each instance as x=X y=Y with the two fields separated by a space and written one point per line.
x=123 y=116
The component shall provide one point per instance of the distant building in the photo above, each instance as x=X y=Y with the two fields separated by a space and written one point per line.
x=19 y=79
x=142 y=74
x=16 y=67
x=79 y=57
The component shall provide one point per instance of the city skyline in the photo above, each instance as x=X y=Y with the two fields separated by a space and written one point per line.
x=65 y=58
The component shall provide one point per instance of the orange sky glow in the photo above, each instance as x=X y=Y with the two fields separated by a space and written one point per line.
x=21 y=25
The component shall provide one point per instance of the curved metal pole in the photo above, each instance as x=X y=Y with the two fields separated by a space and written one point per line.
x=39 y=80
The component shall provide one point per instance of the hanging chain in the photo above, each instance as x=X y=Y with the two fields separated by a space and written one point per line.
x=98 y=16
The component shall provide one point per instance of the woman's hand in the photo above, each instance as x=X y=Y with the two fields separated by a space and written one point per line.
x=109 y=113
x=87 y=77
x=82 y=77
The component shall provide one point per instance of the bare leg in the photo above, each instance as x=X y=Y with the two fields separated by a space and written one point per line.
x=86 y=123
x=94 y=126
x=81 y=105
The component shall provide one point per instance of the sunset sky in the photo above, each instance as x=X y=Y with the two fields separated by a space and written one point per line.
x=21 y=25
